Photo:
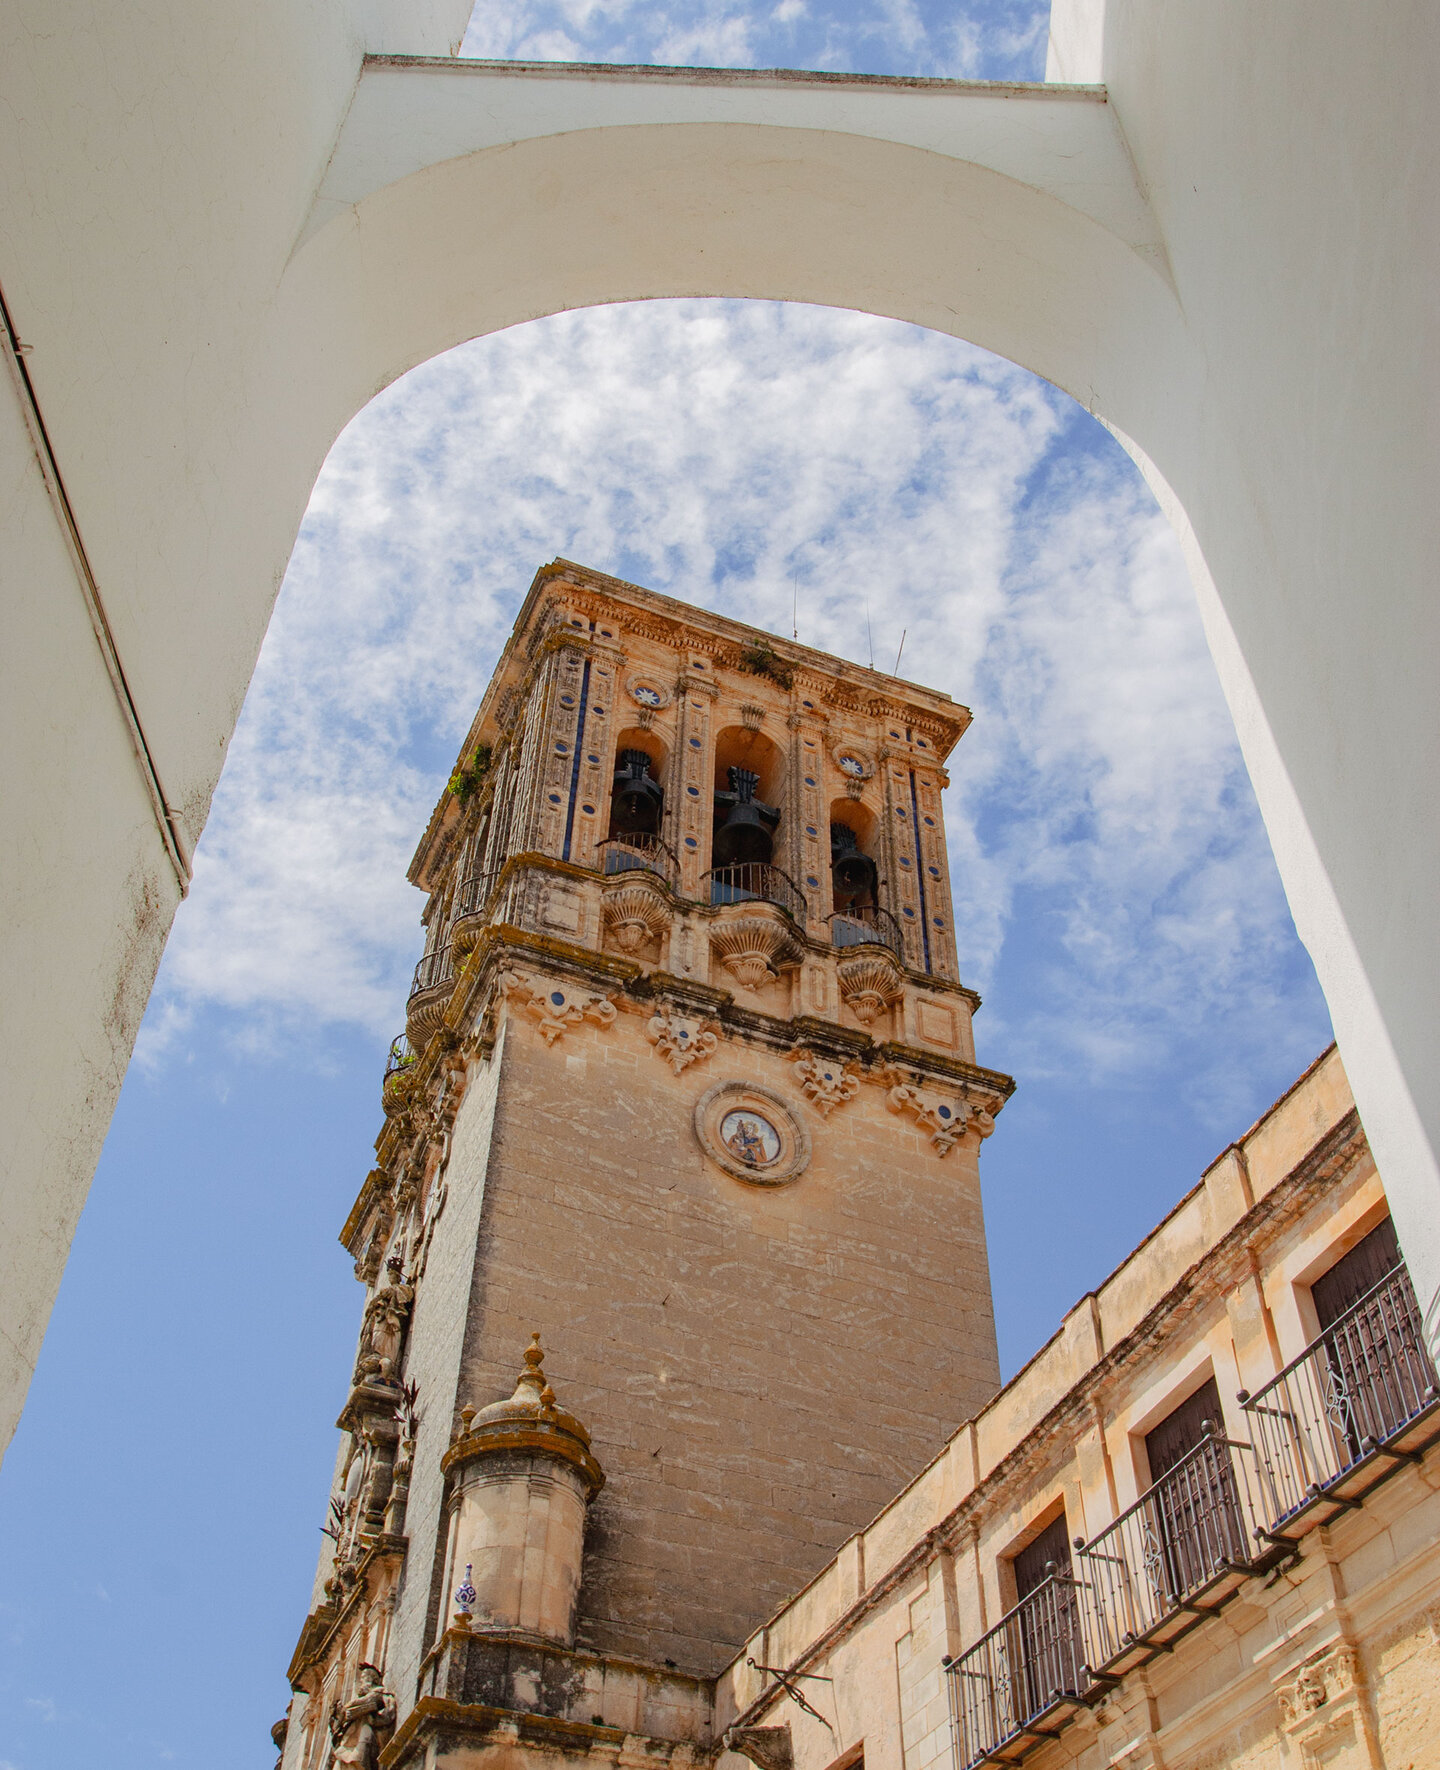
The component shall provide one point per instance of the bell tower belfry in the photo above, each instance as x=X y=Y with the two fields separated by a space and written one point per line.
x=688 y=1090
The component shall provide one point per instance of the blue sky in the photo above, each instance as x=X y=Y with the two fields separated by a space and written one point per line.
x=1116 y=899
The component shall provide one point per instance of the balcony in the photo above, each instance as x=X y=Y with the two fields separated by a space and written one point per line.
x=471 y=906
x=867 y=927
x=1355 y=1406
x=1021 y=1682
x=639 y=854
x=1176 y=1556
x=430 y=994
x=756 y=881
x=399 y=1074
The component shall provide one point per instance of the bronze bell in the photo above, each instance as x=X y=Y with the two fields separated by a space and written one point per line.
x=637 y=798
x=747 y=834
x=854 y=877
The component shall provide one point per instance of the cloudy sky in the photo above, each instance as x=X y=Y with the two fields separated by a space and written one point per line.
x=1116 y=901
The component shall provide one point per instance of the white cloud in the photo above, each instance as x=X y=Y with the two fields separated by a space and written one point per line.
x=987 y=39
x=716 y=451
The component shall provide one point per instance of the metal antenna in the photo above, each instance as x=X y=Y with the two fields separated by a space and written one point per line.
x=870 y=638
x=896 y=670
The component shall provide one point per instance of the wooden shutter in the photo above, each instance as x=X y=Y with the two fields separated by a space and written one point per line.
x=1179 y=1432
x=1052 y=1544
x=1358 y=1272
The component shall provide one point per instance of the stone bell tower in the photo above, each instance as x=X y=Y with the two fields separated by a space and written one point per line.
x=688 y=1091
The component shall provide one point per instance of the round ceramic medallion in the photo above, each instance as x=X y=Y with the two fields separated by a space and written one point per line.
x=852 y=762
x=647 y=693
x=751 y=1133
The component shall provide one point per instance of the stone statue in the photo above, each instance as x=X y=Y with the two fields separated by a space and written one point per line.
x=356 y=1726
x=383 y=1333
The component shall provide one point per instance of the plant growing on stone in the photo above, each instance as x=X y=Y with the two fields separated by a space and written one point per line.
x=468 y=777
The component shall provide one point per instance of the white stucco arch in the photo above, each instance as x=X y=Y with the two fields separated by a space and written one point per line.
x=214 y=262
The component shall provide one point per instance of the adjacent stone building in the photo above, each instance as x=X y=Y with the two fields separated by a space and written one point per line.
x=684 y=1131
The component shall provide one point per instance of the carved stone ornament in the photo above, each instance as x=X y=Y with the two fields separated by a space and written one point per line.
x=826 y=1083
x=356 y=1726
x=681 y=1039
x=634 y=914
x=383 y=1332
x=555 y=1007
x=768 y=1748
x=1318 y=1683
x=755 y=948
x=854 y=763
x=752 y=1133
x=946 y=1119
x=869 y=984
x=648 y=692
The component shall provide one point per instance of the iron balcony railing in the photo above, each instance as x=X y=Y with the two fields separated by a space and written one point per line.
x=866 y=927
x=1192 y=1530
x=757 y=881
x=402 y=1056
x=1030 y=1666
x=639 y=854
x=434 y=969
x=474 y=893
x=1358 y=1387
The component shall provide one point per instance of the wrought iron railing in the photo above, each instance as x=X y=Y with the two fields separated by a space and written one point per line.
x=870 y=926
x=474 y=893
x=1032 y=1661
x=402 y=1056
x=756 y=880
x=639 y=854
x=435 y=968
x=1365 y=1379
x=1193 y=1526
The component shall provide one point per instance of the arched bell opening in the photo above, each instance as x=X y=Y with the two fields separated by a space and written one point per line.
x=637 y=808
x=637 y=798
x=858 y=917
x=748 y=771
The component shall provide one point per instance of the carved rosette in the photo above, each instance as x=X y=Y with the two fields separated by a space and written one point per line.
x=947 y=1118
x=681 y=1039
x=869 y=984
x=555 y=1007
x=755 y=948
x=826 y=1084
x=635 y=914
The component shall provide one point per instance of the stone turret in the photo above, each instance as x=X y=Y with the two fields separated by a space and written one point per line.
x=521 y=1475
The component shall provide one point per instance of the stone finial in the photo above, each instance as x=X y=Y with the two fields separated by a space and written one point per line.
x=529 y=1419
